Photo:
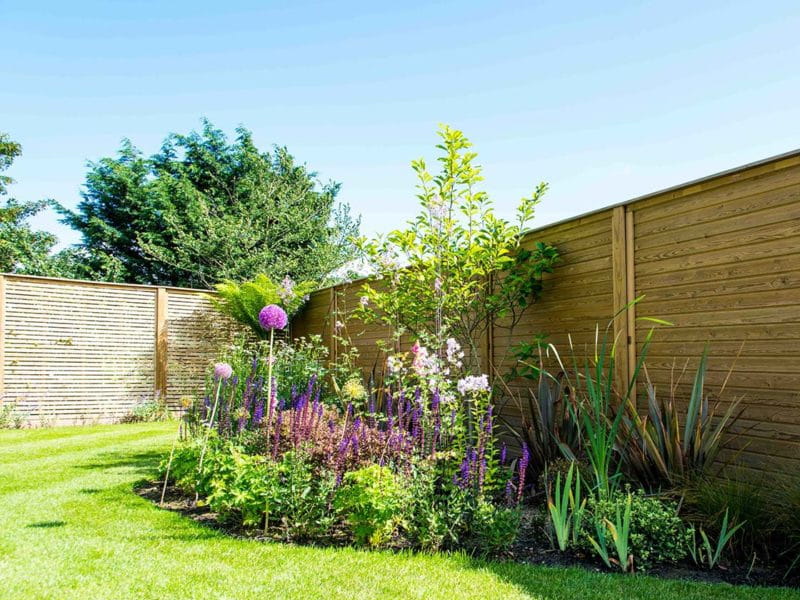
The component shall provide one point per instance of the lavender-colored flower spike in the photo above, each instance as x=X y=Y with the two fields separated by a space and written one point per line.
x=223 y=371
x=273 y=317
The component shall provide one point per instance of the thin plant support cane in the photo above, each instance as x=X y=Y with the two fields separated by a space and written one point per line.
x=222 y=371
x=169 y=462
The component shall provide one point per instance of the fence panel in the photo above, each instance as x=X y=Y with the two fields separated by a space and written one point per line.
x=76 y=352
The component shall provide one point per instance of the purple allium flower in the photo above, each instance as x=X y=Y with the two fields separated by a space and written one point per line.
x=223 y=371
x=273 y=317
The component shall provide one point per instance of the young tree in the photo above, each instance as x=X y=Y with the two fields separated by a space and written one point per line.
x=457 y=266
x=204 y=210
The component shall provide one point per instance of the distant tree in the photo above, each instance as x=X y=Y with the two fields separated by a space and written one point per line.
x=22 y=249
x=204 y=210
x=9 y=150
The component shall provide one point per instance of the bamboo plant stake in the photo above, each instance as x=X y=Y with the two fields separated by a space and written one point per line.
x=222 y=371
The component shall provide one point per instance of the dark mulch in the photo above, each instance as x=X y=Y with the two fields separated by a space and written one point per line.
x=532 y=547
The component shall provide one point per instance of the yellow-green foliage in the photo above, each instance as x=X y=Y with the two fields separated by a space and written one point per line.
x=243 y=301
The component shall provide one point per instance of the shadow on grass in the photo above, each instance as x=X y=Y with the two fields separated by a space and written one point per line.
x=46 y=524
x=138 y=462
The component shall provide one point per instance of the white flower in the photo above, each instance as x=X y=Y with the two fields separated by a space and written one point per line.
x=287 y=289
x=363 y=301
x=473 y=384
x=394 y=364
x=338 y=325
x=437 y=209
x=424 y=364
x=454 y=352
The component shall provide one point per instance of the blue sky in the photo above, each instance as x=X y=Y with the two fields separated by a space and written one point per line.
x=603 y=100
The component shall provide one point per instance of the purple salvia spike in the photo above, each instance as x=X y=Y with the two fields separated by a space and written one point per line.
x=523 y=467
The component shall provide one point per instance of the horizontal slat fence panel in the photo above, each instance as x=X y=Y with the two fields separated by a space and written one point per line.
x=719 y=258
x=740 y=241
x=79 y=352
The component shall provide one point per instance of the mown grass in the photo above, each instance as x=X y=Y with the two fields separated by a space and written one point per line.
x=71 y=526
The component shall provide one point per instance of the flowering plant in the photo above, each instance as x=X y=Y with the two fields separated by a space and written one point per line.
x=435 y=422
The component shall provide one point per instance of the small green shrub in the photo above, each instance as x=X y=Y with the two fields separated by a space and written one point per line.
x=371 y=500
x=436 y=516
x=657 y=533
x=242 y=487
x=302 y=498
x=148 y=411
x=9 y=418
x=249 y=489
x=494 y=528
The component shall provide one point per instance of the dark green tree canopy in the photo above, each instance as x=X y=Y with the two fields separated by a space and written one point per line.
x=204 y=209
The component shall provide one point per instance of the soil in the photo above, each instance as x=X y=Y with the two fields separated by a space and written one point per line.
x=532 y=547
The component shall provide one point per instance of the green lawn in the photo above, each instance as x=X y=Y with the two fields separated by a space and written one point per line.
x=72 y=527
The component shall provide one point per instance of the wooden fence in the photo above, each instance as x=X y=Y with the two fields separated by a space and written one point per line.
x=718 y=257
x=76 y=351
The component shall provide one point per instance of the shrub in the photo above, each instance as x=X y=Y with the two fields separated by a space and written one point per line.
x=242 y=486
x=657 y=533
x=494 y=527
x=183 y=469
x=371 y=500
x=302 y=498
x=148 y=411
x=9 y=419
x=438 y=511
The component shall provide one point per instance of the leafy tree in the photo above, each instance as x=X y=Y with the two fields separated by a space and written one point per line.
x=204 y=210
x=9 y=150
x=457 y=266
x=22 y=249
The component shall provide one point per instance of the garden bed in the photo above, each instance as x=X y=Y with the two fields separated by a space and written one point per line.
x=530 y=548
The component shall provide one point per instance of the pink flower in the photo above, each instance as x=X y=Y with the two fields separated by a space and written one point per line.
x=223 y=371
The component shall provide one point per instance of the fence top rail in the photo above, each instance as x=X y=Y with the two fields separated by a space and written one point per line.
x=786 y=156
x=108 y=284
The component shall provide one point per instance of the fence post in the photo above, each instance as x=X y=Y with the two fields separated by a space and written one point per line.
x=2 y=337
x=334 y=312
x=162 y=307
x=619 y=270
x=630 y=281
